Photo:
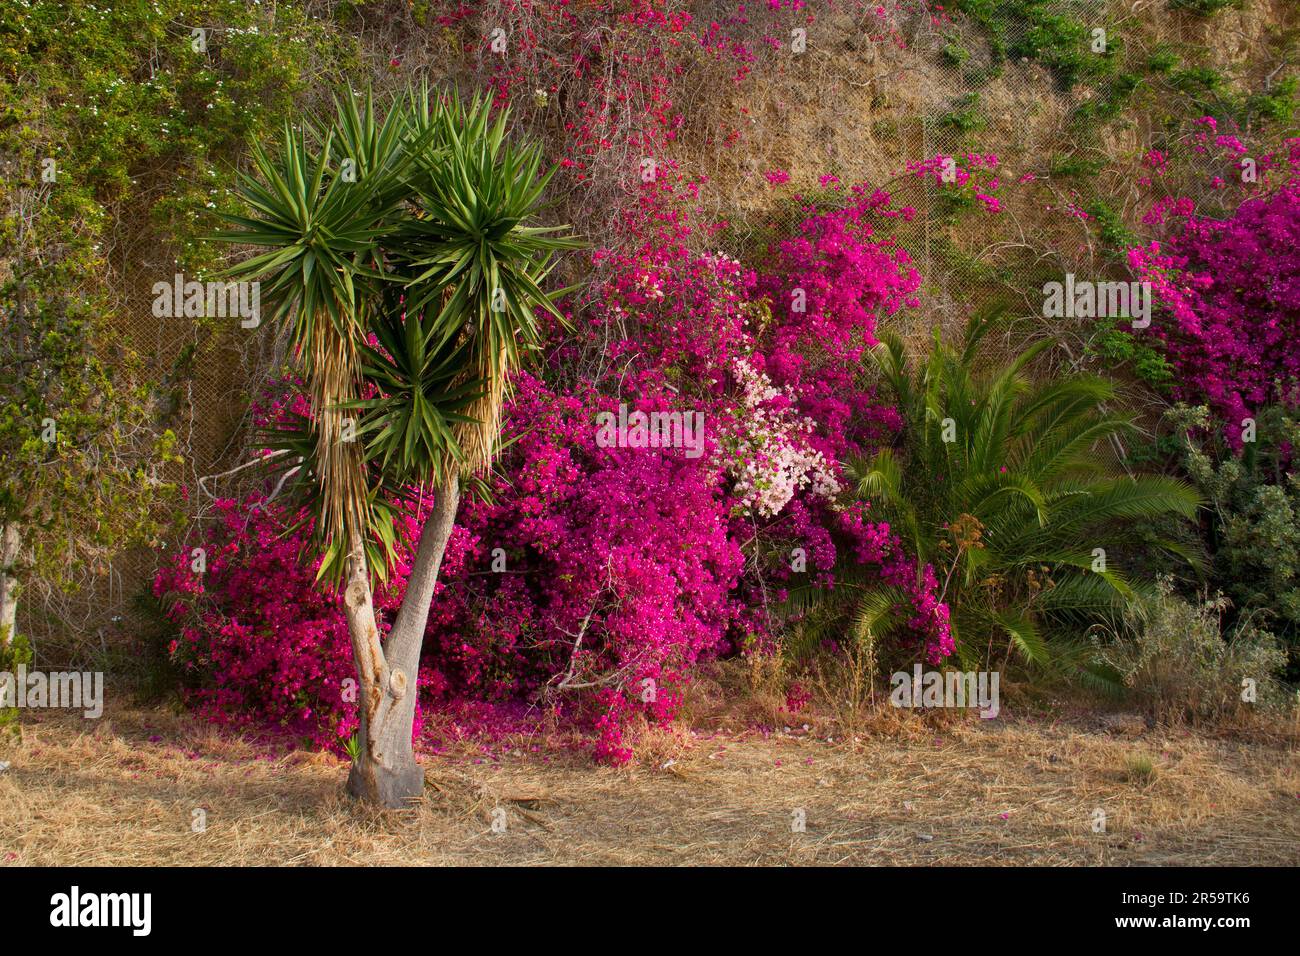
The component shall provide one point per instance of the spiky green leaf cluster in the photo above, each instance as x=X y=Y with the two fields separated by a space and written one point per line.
x=1008 y=486
x=400 y=251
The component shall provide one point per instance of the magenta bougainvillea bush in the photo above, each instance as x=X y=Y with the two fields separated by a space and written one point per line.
x=1228 y=284
x=261 y=644
x=599 y=572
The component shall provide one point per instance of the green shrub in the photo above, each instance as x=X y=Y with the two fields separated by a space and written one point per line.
x=1111 y=228
x=1276 y=105
x=1037 y=30
x=13 y=652
x=1162 y=60
x=1173 y=657
x=1253 y=523
x=1111 y=102
x=965 y=116
x=955 y=54
x=1116 y=346
x=1002 y=485
x=1075 y=165
x=1140 y=769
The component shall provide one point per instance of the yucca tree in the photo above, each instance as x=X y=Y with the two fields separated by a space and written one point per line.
x=401 y=254
x=1009 y=488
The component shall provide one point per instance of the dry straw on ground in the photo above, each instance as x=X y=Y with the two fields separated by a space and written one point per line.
x=123 y=791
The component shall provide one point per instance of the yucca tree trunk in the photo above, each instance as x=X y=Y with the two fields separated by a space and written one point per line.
x=385 y=771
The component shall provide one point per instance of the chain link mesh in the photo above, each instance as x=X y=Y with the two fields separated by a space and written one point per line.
x=858 y=105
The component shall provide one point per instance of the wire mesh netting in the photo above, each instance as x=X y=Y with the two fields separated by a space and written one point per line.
x=860 y=103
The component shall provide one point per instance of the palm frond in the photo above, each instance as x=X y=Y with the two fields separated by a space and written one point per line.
x=1016 y=503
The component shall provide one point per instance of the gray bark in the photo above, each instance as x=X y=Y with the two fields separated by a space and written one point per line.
x=10 y=540
x=385 y=771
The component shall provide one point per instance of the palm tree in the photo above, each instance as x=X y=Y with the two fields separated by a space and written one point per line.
x=1006 y=487
x=401 y=255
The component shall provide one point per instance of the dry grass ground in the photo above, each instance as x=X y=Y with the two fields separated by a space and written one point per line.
x=124 y=791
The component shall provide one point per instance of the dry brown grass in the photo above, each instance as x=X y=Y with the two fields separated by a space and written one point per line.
x=995 y=793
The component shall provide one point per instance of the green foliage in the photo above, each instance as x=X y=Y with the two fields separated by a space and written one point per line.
x=1111 y=103
x=82 y=451
x=1111 y=227
x=1203 y=8
x=422 y=390
x=1003 y=486
x=974 y=273
x=1177 y=658
x=1204 y=86
x=1115 y=346
x=1210 y=92
x=1057 y=34
x=1076 y=165
x=113 y=124
x=1043 y=32
x=964 y=117
x=1253 y=528
x=352 y=747
x=1140 y=769
x=1162 y=60
x=1277 y=105
x=14 y=650
x=133 y=114
x=475 y=239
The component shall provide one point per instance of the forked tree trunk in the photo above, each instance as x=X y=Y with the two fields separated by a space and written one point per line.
x=385 y=770
x=10 y=539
